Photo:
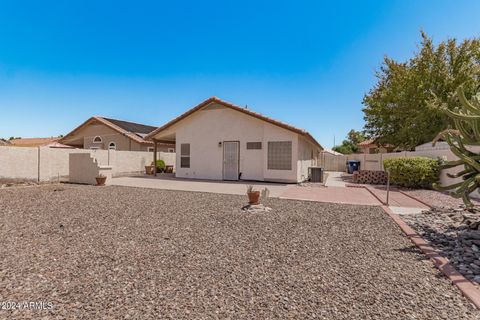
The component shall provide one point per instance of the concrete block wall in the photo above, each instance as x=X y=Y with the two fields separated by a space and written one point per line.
x=51 y=164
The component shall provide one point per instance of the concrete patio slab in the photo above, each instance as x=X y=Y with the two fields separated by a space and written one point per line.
x=172 y=183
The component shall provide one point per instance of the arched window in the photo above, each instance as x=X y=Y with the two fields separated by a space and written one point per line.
x=112 y=146
x=97 y=139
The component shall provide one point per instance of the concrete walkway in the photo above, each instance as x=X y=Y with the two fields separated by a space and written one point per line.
x=334 y=179
x=359 y=196
x=334 y=191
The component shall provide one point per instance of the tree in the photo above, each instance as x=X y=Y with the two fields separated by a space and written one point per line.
x=399 y=109
x=350 y=145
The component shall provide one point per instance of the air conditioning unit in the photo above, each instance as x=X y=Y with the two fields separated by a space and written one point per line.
x=315 y=174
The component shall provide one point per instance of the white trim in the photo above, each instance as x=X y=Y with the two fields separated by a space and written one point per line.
x=95 y=138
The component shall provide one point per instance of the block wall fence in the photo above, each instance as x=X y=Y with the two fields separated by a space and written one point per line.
x=374 y=162
x=45 y=164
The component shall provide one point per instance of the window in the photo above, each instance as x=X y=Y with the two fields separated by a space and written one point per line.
x=171 y=150
x=254 y=145
x=185 y=155
x=112 y=146
x=279 y=155
x=97 y=139
x=151 y=149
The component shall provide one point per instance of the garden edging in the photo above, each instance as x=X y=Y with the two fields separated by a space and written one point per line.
x=467 y=288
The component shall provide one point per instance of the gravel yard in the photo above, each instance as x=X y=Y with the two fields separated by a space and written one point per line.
x=118 y=252
x=436 y=198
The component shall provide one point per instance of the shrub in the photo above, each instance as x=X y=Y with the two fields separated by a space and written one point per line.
x=160 y=165
x=414 y=172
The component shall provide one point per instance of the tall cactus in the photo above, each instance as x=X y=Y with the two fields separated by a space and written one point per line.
x=467 y=123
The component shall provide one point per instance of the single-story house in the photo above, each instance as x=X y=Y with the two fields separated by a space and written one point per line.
x=221 y=141
x=369 y=146
x=105 y=133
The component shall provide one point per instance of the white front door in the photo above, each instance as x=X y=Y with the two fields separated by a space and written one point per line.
x=231 y=151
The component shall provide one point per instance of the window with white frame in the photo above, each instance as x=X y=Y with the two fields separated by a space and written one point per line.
x=171 y=149
x=151 y=149
x=279 y=156
x=185 y=155
x=112 y=146
x=97 y=139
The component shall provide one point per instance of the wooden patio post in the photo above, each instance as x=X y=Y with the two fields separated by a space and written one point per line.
x=155 y=147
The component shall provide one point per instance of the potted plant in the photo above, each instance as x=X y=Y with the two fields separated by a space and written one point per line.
x=160 y=166
x=101 y=179
x=149 y=169
x=253 y=196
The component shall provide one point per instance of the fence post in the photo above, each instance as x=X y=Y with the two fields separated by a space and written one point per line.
x=38 y=164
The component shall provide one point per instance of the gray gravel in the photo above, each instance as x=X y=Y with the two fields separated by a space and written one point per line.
x=455 y=233
x=116 y=252
x=436 y=199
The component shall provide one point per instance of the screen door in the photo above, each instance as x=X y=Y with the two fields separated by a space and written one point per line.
x=231 y=151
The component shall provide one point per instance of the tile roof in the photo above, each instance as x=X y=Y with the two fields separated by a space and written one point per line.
x=237 y=108
x=4 y=142
x=132 y=130
x=137 y=128
x=32 y=142
x=366 y=142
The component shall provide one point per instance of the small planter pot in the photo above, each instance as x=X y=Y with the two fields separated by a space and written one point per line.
x=149 y=170
x=253 y=197
x=101 y=181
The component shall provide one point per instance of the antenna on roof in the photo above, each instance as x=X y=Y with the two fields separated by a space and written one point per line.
x=246 y=106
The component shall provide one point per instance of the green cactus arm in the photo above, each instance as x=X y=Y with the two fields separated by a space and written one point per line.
x=459 y=174
x=465 y=103
x=439 y=187
x=462 y=116
x=462 y=156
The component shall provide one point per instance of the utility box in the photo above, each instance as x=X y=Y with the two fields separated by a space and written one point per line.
x=316 y=174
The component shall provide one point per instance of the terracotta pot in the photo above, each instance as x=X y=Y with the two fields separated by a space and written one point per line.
x=253 y=197
x=149 y=169
x=101 y=181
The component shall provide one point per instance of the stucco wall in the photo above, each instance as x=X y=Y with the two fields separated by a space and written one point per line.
x=83 y=168
x=47 y=164
x=206 y=128
x=305 y=160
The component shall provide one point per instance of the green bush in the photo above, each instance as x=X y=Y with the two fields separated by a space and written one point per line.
x=414 y=172
x=160 y=165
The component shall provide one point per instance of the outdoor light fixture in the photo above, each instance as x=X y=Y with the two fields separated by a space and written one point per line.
x=220 y=144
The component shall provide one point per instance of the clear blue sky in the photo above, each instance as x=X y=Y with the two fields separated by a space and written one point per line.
x=307 y=63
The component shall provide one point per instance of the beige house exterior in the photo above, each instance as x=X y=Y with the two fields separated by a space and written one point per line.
x=220 y=141
x=104 y=133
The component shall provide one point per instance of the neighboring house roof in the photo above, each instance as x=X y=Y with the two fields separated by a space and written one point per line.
x=57 y=145
x=4 y=142
x=132 y=130
x=440 y=145
x=327 y=150
x=32 y=142
x=237 y=108
x=367 y=142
